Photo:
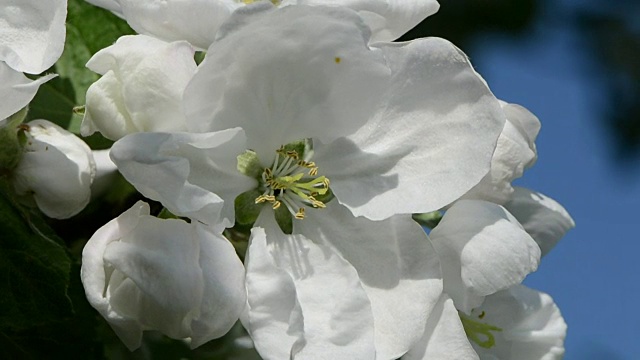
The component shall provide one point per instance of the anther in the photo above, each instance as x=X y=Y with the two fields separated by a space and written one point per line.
x=300 y=214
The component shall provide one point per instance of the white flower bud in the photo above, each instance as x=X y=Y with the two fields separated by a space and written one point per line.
x=141 y=87
x=144 y=273
x=57 y=168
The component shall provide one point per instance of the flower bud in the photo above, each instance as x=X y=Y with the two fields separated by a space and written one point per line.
x=144 y=273
x=57 y=168
x=141 y=87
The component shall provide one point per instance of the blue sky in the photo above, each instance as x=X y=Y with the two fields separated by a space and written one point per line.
x=592 y=273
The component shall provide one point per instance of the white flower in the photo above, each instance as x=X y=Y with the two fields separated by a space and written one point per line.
x=397 y=128
x=483 y=249
x=16 y=90
x=515 y=152
x=542 y=217
x=141 y=87
x=57 y=168
x=198 y=21
x=517 y=324
x=143 y=273
x=32 y=33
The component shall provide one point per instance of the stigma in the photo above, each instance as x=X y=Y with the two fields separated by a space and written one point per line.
x=294 y=183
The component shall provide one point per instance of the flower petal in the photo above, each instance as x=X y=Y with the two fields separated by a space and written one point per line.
x=195 y=21
x=429 y=142
x=482 y=249
x=193 y=175
x=396 y=263
x=224 y=293
x=16 y=90
x=531 y=323
x=515 y=151
x=141 y=89
x=302 y=72
x=32 y=33
x=111 y=5
x=57 y=168
x=444 y=337
x=328 y=309
x=388 y=19
x=542 y=217
x=94 y=277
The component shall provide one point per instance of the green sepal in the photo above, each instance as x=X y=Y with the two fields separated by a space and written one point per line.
x=284 y=219
x=166 y=214
x=249 y=164
x=430 y=220
x=247 y=210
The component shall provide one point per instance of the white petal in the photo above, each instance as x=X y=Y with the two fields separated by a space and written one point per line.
x=542 y=217
x=141 y=89
x=302 y=72
x=396 y=263
x=144 y=273
x=224 y=293
x=158 y=289
x=193 y=175
x=429 y=142
x=531 y=323
x=94 y=277
x=16 y=90
x=328 y=309
x=482 y=249
x=32 y=33
x=515 y=151
x=111 y=5
x=195 y=21
x=444 y=337
x=57 y=168
x=388 y=19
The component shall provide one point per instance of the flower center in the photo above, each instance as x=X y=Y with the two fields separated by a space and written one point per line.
x=294 y=183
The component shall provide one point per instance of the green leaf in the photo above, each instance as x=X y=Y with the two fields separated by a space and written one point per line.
x=34 y=270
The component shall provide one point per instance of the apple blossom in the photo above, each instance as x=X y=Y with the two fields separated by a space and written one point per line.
x=515 y=152
x=483 y=249
x=397 y=128
x=32 y=33
x=517 y=323
x=198 y=21
x=144 y=273
x=56 y=168
x=542 y=217
x=141 y=87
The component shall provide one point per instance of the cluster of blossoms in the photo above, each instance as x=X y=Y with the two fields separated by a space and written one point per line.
x=299 y=158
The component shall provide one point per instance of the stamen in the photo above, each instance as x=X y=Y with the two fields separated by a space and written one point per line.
x=293 y=181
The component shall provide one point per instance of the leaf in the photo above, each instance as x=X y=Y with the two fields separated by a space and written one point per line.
x=34 y=271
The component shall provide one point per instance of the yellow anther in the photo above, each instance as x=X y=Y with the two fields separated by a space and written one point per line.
x=262 y=198
x=317 y=203
x=326 y=183
x=300 y=214
x=268 y=173
x=292 y=154
x=276 y=204
x=313 y=171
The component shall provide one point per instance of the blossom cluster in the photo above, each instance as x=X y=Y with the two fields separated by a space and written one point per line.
x=298 y=159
